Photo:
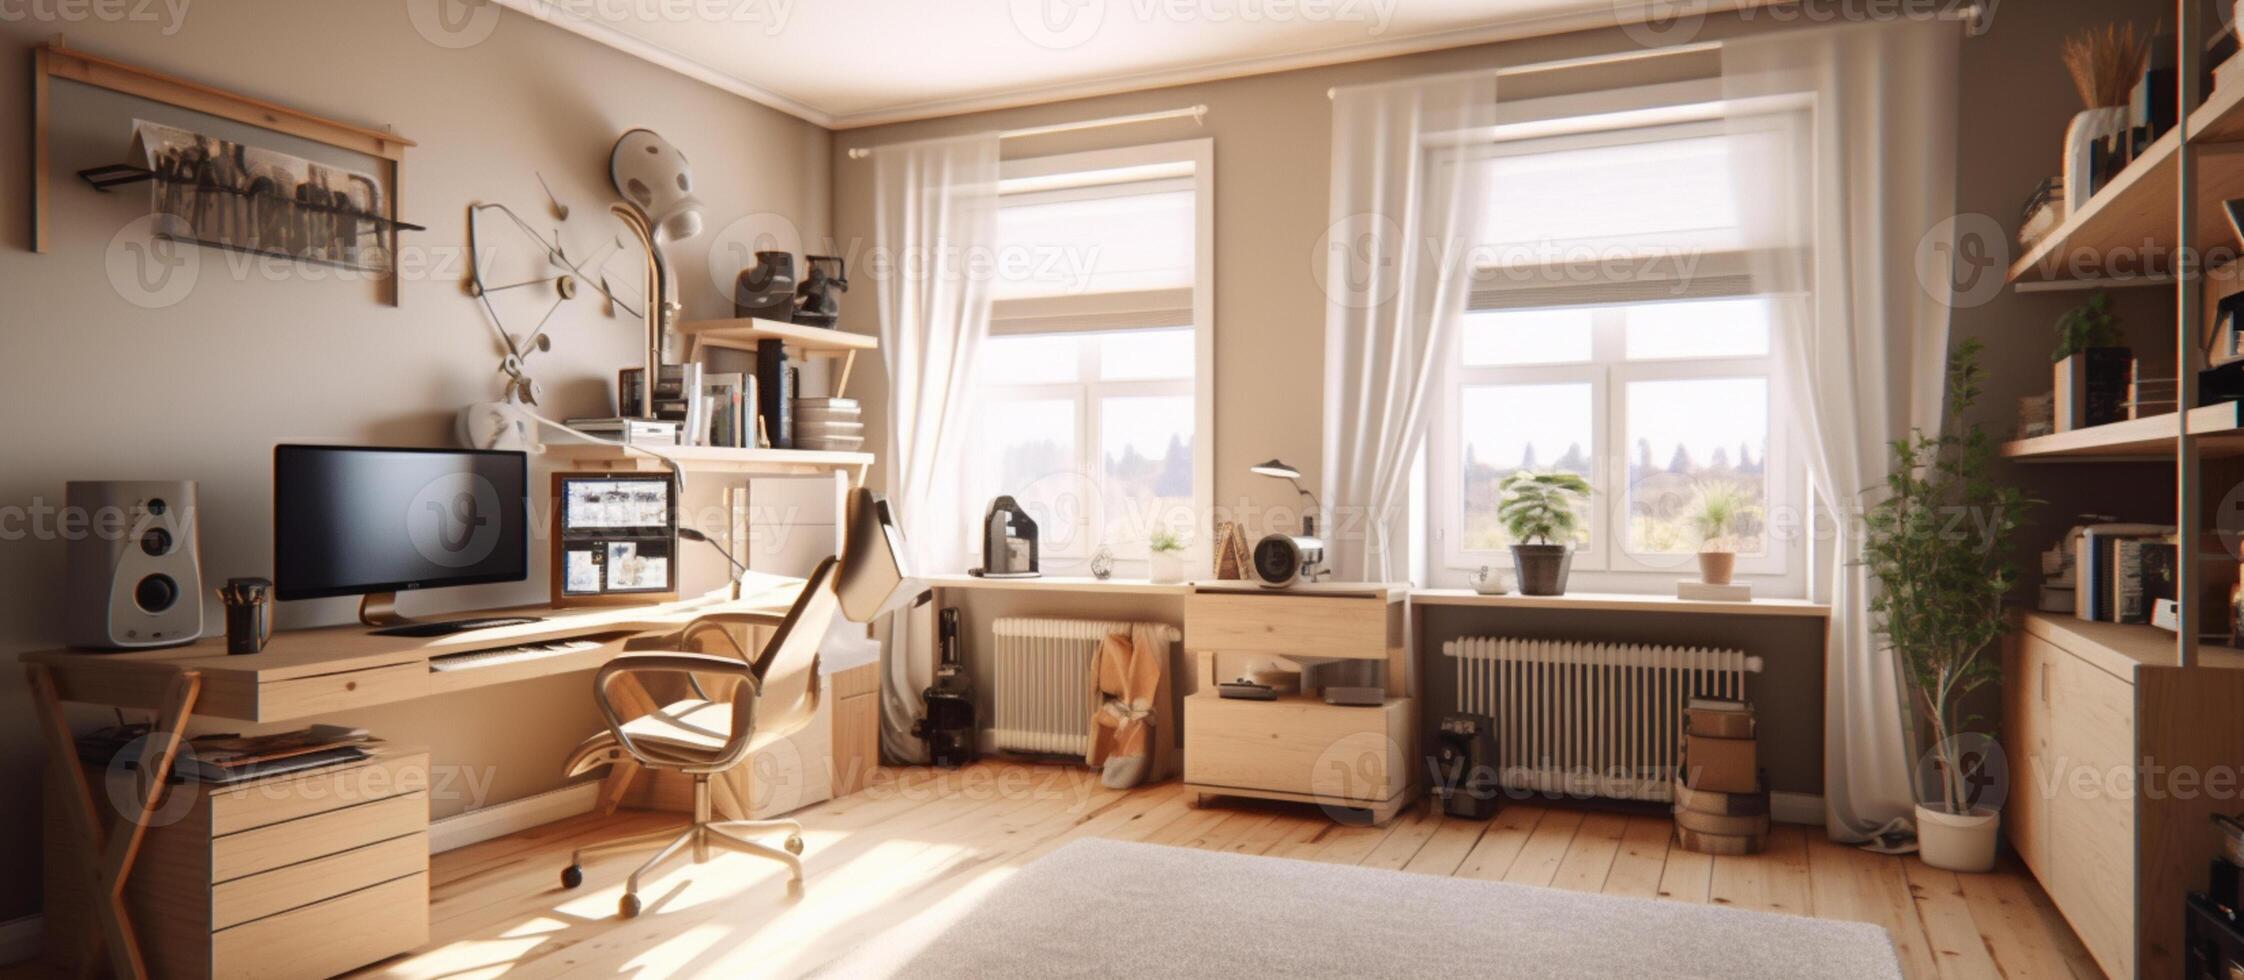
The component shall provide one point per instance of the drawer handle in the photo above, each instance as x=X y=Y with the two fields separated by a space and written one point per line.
x=2045 y=683
x=350 y=685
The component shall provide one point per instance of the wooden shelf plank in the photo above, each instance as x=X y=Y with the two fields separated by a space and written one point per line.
x=744 y=332
x=712 y=459
x=2219 y=428
x=1617 y=602
x=2127 y=228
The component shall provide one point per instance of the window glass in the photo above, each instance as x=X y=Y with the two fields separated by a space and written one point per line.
x=1030 y=360
x=1145 y=448
x=1691 y=441
x=1706 y=328
x=1502 y=337
x=1509 y=428
x=1146 y=355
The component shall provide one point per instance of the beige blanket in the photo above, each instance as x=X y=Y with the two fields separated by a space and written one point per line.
x=1130 y=694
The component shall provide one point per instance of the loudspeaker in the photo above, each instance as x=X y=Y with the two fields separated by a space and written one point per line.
x=134 y=569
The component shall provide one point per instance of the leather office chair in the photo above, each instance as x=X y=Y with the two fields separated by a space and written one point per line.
x=776 y=695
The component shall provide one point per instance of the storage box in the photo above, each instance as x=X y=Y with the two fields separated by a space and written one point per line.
x=1724 y=765
x=1719 y=719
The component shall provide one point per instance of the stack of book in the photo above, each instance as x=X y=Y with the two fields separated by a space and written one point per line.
x=710 y=409
x=1721 y=797
x=2120 y=571
x=223 y=759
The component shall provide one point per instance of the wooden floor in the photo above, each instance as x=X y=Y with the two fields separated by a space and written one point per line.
x=919 y=838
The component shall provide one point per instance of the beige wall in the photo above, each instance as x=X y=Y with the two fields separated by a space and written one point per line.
x=99 y=388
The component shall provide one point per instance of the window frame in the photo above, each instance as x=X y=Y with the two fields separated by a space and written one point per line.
x=1092 y=172
x=1653 y=113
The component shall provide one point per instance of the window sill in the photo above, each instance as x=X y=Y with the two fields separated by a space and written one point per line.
x=1616 y=602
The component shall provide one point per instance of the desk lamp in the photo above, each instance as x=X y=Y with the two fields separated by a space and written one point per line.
x=1280 y=560
x=658 y=188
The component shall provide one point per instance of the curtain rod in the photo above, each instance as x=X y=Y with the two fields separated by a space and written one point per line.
x=1968 y=14
x=1198 y=113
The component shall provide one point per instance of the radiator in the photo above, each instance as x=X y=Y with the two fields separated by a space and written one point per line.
x=1590 y=719
x=1042 y=682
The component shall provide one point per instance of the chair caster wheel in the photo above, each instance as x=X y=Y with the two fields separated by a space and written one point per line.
x=628 y=907
x=794 y=843
x=572 y=876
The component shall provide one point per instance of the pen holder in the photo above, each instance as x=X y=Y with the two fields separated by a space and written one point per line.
x=249 y=614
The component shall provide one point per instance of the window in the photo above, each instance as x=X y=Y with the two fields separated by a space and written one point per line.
x=1611 y=333
x=1094 y=390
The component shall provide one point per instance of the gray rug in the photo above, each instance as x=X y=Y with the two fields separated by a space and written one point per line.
x=1098 y=908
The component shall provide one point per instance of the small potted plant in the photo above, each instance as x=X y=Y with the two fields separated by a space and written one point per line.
x=1718 y=515
x=2089 y=355
x=1538 y=510
x=1939 y=605
x=1166 y=549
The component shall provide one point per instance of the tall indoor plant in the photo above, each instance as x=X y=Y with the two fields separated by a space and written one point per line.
x=1538 y=510
x=1938 y=543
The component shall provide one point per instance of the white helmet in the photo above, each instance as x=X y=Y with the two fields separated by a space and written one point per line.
x=653 y=176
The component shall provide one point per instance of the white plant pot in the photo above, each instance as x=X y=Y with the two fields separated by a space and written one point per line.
x=1958 y=843
x=1167 y=568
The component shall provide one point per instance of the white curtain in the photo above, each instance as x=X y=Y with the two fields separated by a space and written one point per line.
x=1845 y=141
x=934 y=226
x=1396 y=272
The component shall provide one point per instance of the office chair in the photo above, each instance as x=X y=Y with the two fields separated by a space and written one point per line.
x=777 y=695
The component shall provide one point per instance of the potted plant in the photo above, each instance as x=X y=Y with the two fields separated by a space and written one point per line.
x=1938 y=543
x=2092 y=367
x=1538 y=510
x=1719 y=513
x=1167 y=556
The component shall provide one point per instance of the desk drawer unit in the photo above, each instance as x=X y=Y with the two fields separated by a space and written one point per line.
x=303 y=876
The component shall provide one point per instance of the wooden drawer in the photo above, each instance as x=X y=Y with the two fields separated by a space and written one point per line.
x=272 y=892
x=235 y=809
x=266 y=848
x=327 y=694
x=327 y=938
x=1298 y=746
x=1289 y=625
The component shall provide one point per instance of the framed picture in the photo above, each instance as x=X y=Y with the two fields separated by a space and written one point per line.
x=615 y=538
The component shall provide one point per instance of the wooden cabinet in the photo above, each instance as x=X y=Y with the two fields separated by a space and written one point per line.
x=1299 y=748
x=2118 y=759
x=306 y=875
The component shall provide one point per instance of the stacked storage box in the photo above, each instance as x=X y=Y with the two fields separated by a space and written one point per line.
x=1721 y=796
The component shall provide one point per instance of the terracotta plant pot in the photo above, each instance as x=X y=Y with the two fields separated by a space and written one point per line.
x=1958 y=842
x=1715 y=567
x=1542 y=568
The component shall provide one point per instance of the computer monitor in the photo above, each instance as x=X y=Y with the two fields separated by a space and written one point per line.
x=375 y=521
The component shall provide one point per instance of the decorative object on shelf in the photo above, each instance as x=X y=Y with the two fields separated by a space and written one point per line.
x=1538 y=511
x=2037 y=415
x=1486 y=580
x=1721 y=511
x=2105 y=63
x=1232 y=559
x=1009 y=542
x=1942 y=606
x=2044 y=211
x=834 y=424
x=657 y=187
x=815 y=302
x=1165 y=556
x=2092 y=387
x=2147 y=397
x=1280 y=560
x=948 y=726
x=2226 y=344
x=767 y=289
x=1102 y=563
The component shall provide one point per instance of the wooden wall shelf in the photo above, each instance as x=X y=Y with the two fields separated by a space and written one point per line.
x=744 y=333
x=2219 y=428
x=2127 y=229
x=710 y=459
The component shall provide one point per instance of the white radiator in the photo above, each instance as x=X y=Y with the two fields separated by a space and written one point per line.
x=1590 y=719
x=1043 y=682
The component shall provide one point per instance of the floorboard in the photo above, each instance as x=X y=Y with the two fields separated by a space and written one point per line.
x=919 y=846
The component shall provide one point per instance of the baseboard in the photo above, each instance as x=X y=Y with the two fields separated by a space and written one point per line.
x=476 y=826
x=1800 y=808
x=19 y=938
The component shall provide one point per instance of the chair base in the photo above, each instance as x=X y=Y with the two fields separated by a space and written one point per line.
x=702 y=834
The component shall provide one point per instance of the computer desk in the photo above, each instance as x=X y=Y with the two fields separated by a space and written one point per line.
x=302 y=675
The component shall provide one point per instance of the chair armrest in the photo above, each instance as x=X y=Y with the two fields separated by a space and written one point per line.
x=673 y=662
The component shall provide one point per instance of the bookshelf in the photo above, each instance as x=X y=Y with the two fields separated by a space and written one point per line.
x=744 y=333
x=2219 y=432
x=710 y=459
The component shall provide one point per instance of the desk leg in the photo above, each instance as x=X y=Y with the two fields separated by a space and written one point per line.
x=113 y=867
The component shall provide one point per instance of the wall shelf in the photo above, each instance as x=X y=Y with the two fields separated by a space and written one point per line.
x=744 y=333
x=710 y=459
x=2133 y=216
x=2219 y=428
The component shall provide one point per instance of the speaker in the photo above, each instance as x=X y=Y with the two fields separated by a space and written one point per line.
x=134 y=568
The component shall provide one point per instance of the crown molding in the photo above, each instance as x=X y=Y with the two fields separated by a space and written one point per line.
x=663 y=57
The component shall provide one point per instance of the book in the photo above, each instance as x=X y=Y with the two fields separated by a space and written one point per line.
x=677 y=397
x=727 y=426
x=2092 y=561
x=1704 y=592
x=2142 y=572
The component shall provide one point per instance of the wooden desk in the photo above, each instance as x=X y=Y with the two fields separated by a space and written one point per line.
x=301 y=674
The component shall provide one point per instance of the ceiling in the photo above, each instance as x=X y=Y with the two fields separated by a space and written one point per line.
x=849 y=63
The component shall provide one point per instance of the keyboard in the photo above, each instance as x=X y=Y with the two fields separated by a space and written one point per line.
x=508 y=655
x=451 y=626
